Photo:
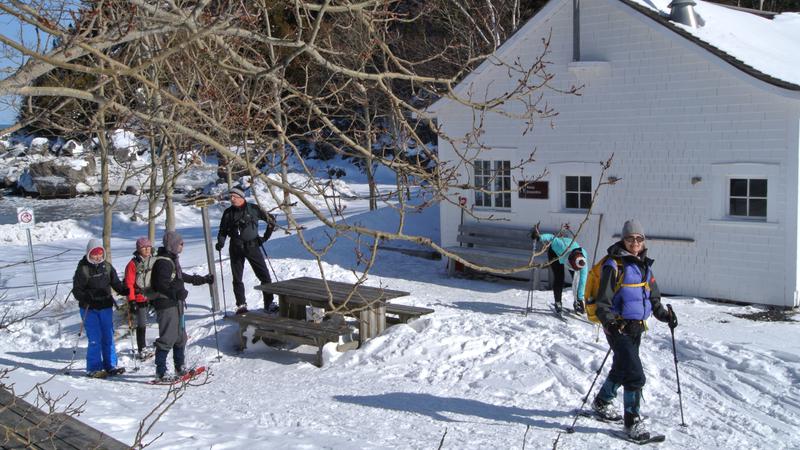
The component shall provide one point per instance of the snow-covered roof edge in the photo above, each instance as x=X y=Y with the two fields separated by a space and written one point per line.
x=739 y=64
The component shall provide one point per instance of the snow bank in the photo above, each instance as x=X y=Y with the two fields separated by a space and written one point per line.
x=45 y=232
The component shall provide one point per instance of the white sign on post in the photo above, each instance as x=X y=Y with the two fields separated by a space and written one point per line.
x=25 y=217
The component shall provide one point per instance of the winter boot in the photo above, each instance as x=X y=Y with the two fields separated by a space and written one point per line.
x=179 y=359
x=97 y=374
x=272 y=309
x=577 y=306
x=557 y=306
x=605 y=410
x=635 y=428
x=241 y=309
x=116 y=371
x=161 y=363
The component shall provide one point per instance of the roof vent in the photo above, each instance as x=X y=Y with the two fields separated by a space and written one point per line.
x=682 y=11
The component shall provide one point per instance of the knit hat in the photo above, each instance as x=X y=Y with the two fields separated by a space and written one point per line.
x=143 y=242
x=576 y=260
x=236 y=191
x=173 y=241
x=632 y=227
x=94 y=248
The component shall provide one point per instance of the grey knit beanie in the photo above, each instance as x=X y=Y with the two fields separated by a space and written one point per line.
x=631 y=227
x=236 y=191
x=173 y=241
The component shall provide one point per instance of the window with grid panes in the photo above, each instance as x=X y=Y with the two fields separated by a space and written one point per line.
x=578 y=192
x=748 y=198
x=493 y=178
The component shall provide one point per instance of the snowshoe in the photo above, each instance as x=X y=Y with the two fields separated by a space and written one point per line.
x=182 y=376
x=651 y=439
x=605 y=411
x=145 y=354
x=100 y=374
x=116 y=371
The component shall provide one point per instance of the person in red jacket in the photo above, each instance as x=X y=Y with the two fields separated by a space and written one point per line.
x=137 y=302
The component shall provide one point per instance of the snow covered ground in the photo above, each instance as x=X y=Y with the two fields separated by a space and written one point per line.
x=477 y=369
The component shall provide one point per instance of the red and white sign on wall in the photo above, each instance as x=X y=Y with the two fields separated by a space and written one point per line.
x=25 y=217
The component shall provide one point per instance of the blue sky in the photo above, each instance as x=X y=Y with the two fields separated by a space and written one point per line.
x=11 y=28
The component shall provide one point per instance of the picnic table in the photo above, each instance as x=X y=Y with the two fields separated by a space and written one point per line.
x=365 y=303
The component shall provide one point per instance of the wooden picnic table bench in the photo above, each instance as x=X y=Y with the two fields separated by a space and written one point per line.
x=404 y=313
x=365 y=303
x=23 y=425
x=293 y=331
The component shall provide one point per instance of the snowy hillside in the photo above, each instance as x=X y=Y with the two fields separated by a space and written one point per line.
x=477 y=369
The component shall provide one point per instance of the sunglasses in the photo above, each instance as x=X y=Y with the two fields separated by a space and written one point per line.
x=636 y=239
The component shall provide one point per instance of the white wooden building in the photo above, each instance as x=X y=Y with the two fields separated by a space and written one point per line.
x=704 y=126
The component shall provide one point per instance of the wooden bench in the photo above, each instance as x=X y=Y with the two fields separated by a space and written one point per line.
x=23 y=425
x=498 y=246
x=295 y=331
x=404 y=313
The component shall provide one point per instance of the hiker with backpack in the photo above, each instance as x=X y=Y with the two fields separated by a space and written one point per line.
x=167 y=280
x=240 y=223
x=626 y=297
x=564 y=253
x=91 y=285
x=137 y=302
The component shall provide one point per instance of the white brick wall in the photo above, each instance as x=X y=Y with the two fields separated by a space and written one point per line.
x=668 y=111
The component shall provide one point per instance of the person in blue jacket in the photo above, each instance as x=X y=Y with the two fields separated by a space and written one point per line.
x=626 y=298
x=565 y=252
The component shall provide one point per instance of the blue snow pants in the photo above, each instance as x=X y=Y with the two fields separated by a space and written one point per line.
x=99 y=326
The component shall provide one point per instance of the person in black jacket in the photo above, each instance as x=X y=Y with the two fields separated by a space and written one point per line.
x=168 y=281
x=91 y=285
x=240 y=223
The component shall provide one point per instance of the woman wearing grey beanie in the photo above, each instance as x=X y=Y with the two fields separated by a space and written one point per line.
x=625 y=300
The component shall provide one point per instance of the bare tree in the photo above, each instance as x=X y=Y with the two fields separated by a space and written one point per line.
x=260 y=82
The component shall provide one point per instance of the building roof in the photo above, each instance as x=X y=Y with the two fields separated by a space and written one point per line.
x=766 y=46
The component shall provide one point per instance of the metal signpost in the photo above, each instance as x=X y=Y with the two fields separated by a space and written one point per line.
x=27 y=220
x=203 y=203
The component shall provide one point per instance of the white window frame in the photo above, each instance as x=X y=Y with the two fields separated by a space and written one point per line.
x=496 y=181
x=559 y=171
x=579 y=191
x=723 y=173
x=748 y=197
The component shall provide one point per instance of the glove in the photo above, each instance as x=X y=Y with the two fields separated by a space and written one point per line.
x=614 y=327
x=209 y=279
x=535 y=235
x=219 y=246
x=673 y=319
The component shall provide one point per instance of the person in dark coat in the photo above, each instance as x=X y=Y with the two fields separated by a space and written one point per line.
x=91 y=285
x=168 y=281
x=240 y=223
x=623 y=306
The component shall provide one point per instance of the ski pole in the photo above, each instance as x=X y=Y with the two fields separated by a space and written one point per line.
x=130 y=333
x=571 y=428
x=222 y=288
x=269 y=262
x=216 y=334
x=75 y=347
x=675 y=357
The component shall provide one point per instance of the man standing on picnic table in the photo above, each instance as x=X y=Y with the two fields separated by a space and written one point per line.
x=240 y=223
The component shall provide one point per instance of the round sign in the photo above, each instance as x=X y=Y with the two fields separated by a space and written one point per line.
x=25 y=217
x=462 y=201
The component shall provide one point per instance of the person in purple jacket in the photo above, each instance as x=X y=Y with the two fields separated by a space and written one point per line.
x=623 y=306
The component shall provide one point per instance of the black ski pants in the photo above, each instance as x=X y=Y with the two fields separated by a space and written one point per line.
x=626 y=366
x=250 y=251
x=557 y=270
